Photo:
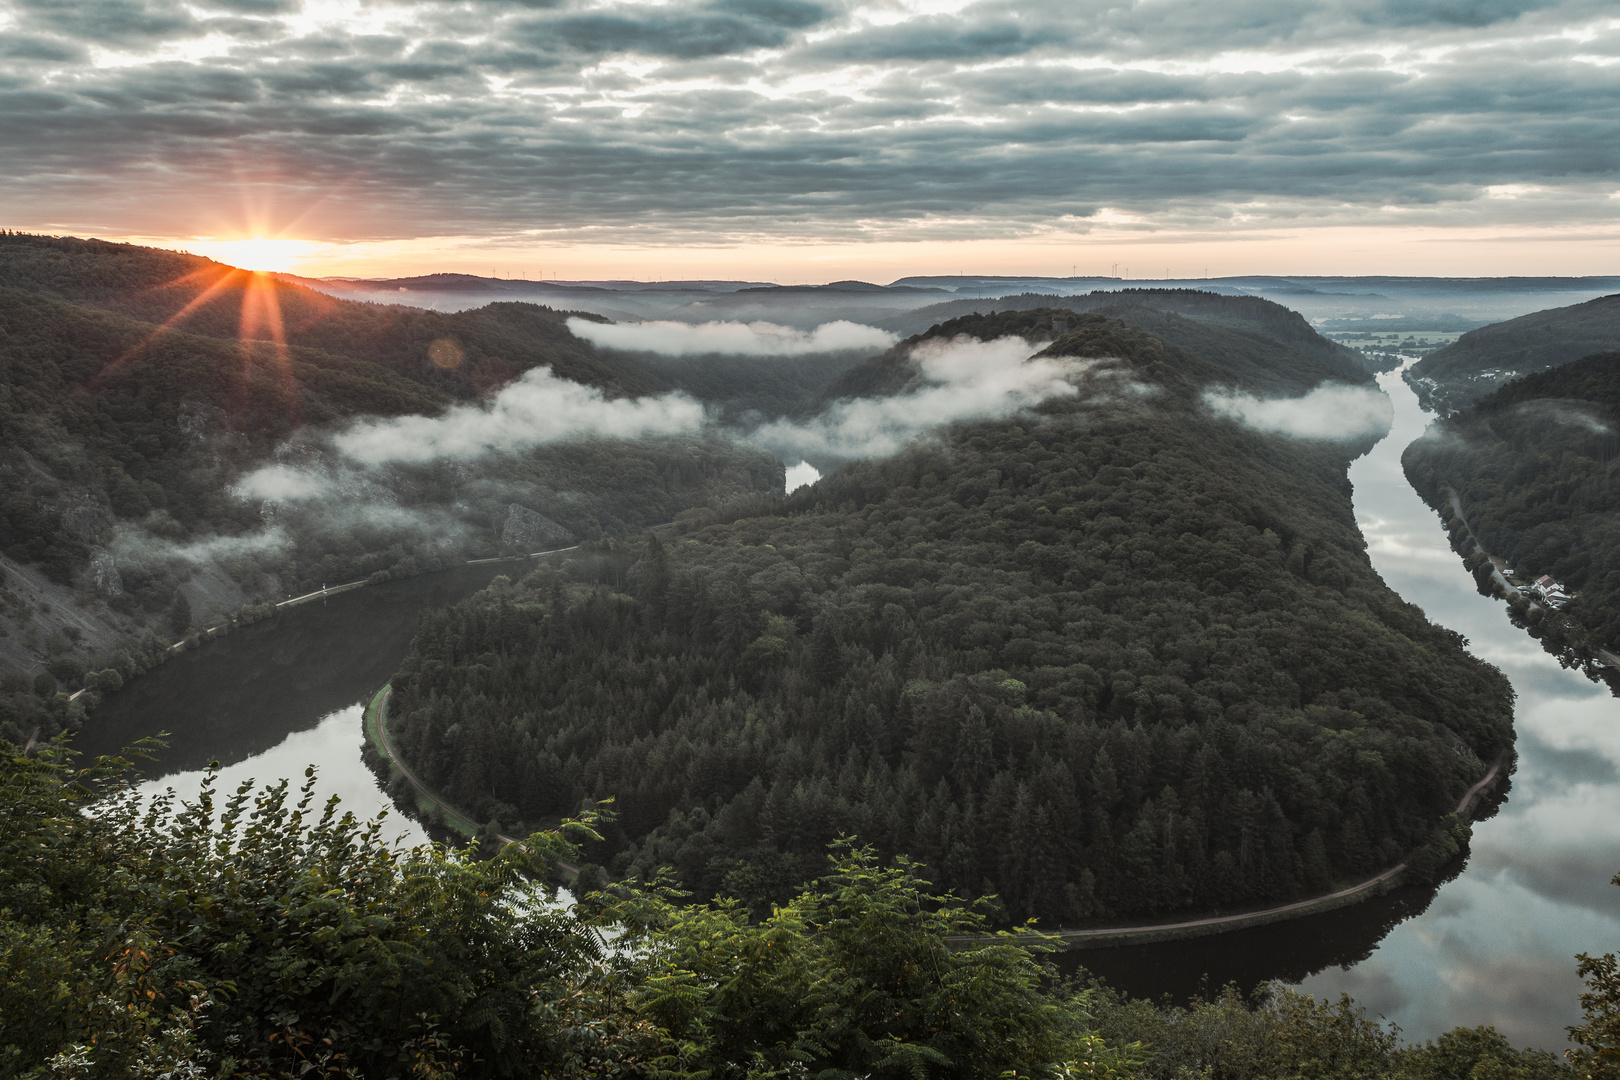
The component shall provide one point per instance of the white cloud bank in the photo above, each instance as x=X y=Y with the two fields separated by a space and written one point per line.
x=731 y=338
x=539 y=408
x=1328 y=412
x=971 y=378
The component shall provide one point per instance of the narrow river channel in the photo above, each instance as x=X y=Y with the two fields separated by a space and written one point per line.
x=1495 y=945
x=272 y=699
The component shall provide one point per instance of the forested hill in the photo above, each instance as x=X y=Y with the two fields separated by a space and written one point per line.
x=123 y=523
x=1207 y=354
x=1113 y=657
x=99 y=410
x=1482 y=360
x=1534 y=467
x=1255 y=318
x=487 y=347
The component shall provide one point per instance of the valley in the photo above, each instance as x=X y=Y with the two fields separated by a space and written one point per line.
x=1081 y=613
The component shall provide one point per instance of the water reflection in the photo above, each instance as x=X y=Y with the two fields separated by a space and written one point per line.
x=333 y=748
x=1496 y=946
x=273 y=698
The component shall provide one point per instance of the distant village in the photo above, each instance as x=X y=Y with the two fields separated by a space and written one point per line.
x=1546 y=588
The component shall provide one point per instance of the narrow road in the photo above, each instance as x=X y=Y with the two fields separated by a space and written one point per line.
x=334 y=590
x=1217 y=923
x=379 y=712
x=378 y=709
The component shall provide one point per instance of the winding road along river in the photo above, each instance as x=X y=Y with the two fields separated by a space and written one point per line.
x=1493 y=946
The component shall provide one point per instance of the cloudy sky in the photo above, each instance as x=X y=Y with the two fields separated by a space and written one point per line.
x=814 y=139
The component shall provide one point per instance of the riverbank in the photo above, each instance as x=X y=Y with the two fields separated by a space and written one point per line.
x=374 y=722
x=1112 y=937
x=375 y=579
x=210 y=633
x=430 y=802
x=1577 y=639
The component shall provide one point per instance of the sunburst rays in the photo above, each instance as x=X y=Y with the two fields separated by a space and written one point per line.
x=261 y=337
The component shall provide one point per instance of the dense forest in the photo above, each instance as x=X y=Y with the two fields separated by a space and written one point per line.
x=1533 y=469
x=746 y=389
x=1482 y=360
x=123 y=446
x=253 y=934
x=1111 y=657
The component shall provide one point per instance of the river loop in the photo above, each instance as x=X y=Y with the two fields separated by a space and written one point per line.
x=1495 y=945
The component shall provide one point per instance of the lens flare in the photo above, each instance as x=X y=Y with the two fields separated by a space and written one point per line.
x=266 y=254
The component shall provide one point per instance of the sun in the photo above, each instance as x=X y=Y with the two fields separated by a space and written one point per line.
x=261 y=253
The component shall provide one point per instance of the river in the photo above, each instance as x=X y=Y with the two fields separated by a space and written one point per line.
x=1495 y=945
x=273 y=698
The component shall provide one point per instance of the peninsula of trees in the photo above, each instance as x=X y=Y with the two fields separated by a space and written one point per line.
x=1116 y=656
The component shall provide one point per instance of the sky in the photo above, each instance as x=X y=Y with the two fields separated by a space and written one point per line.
x=811 y=140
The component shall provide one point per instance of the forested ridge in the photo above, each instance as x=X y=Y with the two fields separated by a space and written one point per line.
x=1482 y=360
x=1112 y=657
x=1259 y=323
x=1534 y=466
x=1230 y=342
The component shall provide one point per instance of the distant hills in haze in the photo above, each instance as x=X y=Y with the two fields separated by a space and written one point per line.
x=1401 y=302
x=1230 y=325
x=1482 y=360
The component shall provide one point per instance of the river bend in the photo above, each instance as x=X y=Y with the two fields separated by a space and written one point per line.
x=1495 y=945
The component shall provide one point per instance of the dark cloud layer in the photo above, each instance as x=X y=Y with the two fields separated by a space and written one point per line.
x=734 y=119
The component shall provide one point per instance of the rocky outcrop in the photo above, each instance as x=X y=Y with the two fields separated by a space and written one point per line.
x=529 y=530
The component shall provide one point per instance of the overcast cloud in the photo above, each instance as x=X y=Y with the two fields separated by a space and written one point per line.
x=732 y=338
x=717 y=121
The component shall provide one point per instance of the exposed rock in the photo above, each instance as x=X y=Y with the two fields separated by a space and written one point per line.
x=36 y=609
x=104 y=572
x=299 y=455
x=528 y=530
x=198 y=420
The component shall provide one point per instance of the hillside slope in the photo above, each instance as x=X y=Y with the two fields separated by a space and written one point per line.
x=1247 y=315
x=126 y=515
x=1533 y=467
x=1220 y=354
x=487 y=347
x=1482 y=360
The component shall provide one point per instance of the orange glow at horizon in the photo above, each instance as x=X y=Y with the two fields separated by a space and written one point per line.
x=264 y=254
x=1400 y=251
